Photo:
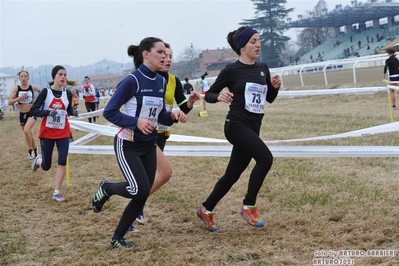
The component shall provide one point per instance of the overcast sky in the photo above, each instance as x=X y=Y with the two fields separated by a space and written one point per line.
x=79 y=33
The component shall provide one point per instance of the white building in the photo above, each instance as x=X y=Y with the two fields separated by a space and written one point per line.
x=7 y=83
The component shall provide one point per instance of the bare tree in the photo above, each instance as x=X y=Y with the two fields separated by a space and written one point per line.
x=310 y=38
x=290 y=52
x=189 y=61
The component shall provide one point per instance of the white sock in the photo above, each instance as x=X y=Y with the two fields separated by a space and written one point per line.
x=56 y=191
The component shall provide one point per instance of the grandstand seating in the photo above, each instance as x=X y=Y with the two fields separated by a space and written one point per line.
x=329 y=49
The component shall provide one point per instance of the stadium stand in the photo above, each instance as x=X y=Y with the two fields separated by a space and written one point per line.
x=373 y=39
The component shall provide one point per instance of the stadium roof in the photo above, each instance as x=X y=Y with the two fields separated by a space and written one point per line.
x=348 y=15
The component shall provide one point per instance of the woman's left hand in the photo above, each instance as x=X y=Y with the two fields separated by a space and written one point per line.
x=194 y=96
x=276 y=81
x=179 y=116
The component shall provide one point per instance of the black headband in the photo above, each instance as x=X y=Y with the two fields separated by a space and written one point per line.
x=243 y=37
x=55 y=70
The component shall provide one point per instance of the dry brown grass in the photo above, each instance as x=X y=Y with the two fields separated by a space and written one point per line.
x=307 y=204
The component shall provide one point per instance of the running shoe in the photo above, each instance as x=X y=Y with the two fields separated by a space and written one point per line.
x=35 y=163
x=250 y=214
x=57 y=197
x=133 y=229
x=207 y=217
x=100 y=197
x=31 y=154
x=140 y=218
x=121 y=243
x=393 y=107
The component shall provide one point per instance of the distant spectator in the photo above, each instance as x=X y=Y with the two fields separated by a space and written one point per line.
x=97 y=99
x=3 y=104
x=392 y=65
x=188 y=87
x=112 y=91
x=204 y=86
x=360 y=44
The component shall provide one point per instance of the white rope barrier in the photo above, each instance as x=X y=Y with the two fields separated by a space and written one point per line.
x=278 y=151
x=331 y=91
x=111 y=131
x=87 y=115
x=382 y=129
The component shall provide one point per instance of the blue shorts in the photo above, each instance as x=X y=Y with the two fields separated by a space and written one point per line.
x=394 y=78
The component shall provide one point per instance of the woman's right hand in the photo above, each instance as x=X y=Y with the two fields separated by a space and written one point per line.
x=225 y=96
x=145 y=125
x=24 y=96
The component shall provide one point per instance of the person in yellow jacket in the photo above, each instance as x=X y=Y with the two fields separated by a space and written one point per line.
x=174 y=92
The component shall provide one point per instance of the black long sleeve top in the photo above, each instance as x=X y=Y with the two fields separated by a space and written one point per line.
x=235 y=77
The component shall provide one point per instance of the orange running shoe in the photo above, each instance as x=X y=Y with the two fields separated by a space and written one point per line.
x=250 y=214
x=207 y=217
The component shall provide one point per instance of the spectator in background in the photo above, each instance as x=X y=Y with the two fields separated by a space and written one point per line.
x=103 y=95
x=111 y=92
x=392 y=64
x=187 y=86
x=3 y=104
x=97 y=100
x=204 y=86
x=74 y=103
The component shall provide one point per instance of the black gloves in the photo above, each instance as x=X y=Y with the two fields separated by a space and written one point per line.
x=53 y=112
x=75 y=112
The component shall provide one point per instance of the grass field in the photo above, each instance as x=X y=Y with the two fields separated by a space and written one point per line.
x=309 y=205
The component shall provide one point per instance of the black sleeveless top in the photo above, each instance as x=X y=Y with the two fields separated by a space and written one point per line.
x=30 y=92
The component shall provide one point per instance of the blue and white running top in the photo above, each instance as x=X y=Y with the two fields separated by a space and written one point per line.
x=140 y=95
